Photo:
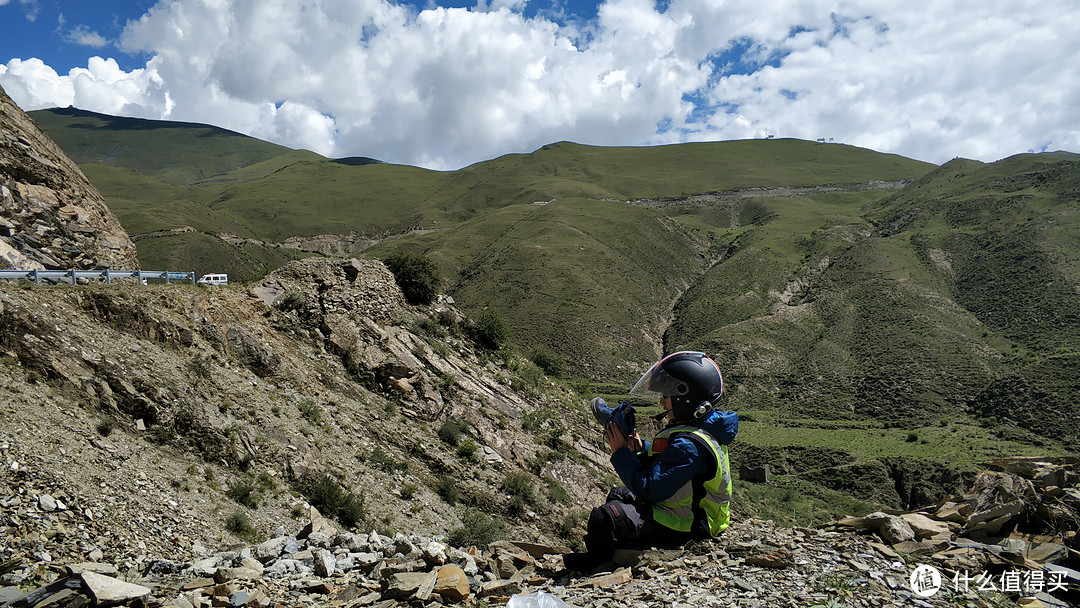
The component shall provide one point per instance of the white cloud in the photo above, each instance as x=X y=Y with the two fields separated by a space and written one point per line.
x=31 y=9
x=84 y=36
x=446 y=87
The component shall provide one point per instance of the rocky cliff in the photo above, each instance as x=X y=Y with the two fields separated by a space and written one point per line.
x=51 y=217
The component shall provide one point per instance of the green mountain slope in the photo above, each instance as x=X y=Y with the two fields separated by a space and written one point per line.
x=173 y=152
x=864 y=306
x=955 y=298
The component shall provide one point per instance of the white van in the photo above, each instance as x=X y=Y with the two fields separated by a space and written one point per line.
x=214 y=279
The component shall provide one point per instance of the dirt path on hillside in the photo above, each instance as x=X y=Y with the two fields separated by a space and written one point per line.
x=708 y=198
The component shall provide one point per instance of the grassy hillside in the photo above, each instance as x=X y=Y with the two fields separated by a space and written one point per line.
x=173 y=152
x=951 y=304
x=853 y=319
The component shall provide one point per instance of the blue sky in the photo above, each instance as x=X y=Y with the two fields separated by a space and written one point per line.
x=65 y=33
x=448 y=84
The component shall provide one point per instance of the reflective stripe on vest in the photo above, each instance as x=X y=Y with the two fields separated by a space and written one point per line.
x=677 y=511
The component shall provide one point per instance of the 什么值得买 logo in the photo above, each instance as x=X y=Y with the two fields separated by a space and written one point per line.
x=926 y=581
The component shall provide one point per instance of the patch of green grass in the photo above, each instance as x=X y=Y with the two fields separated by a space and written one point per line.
x=789 y=501
x=961 y=444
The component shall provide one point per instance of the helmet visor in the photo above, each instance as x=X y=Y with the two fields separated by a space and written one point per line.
x=656 y=383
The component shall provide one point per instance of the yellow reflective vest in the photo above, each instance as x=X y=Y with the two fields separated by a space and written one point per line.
x=711 y=498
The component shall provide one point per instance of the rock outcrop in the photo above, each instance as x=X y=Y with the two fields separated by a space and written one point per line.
x=51 y=217
x=1021 y=515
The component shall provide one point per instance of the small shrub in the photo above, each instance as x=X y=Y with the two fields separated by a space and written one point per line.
x=416 y=275
x=310 y=411
x=466 y=450
x=447 y=489
x=552 y=364
x=292 y=300
x=519 y=486
x=240 y=524
x=106 y=425
x=912 y=437
x=244 y=493
x=450 y=432
x=379 y=458
x=570 y=523
x=266 y=481
x=330 y=498
x=517 y=505
x=556 y=492
x=491 y=331
x=477 y=529
x=408 y=491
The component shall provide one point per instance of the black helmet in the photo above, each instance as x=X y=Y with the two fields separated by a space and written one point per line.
x=691 y=379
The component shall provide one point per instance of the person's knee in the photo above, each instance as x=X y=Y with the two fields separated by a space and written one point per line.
x=600 y=536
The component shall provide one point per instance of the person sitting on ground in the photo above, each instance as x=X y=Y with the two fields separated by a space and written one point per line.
x=677 y=487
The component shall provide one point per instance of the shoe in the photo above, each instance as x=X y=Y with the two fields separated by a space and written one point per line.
x=580 y=562
x=601 y=411
x=622 y=415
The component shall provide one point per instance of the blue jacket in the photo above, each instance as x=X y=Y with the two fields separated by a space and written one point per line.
x=656 y=479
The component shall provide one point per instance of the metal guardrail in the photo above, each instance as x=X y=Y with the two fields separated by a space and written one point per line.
x=107 y=275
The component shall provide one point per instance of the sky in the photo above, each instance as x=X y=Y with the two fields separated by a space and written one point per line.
x=447 y=84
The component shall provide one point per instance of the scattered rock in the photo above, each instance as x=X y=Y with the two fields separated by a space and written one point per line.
x=105 y=590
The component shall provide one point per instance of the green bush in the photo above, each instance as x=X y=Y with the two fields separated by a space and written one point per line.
x=450 y=432
x=552 y=364
x=466 y=450
x=556 y=492
x=292 y=300
x=240 y=524
x=416 y=275
x=519 y=485
x=491 y=331
x=310 y=411
x=447 y=488
x=384 y=461
x=331 y=499
x=244 y=493
x=478 y=530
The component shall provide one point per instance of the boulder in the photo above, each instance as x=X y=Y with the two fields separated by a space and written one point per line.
x=409 y=585
x=924 y=527
x=891 y=528
x=106 y=590
x=452 y=584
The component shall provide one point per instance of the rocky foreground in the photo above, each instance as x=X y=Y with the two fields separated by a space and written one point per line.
x=49 y=559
